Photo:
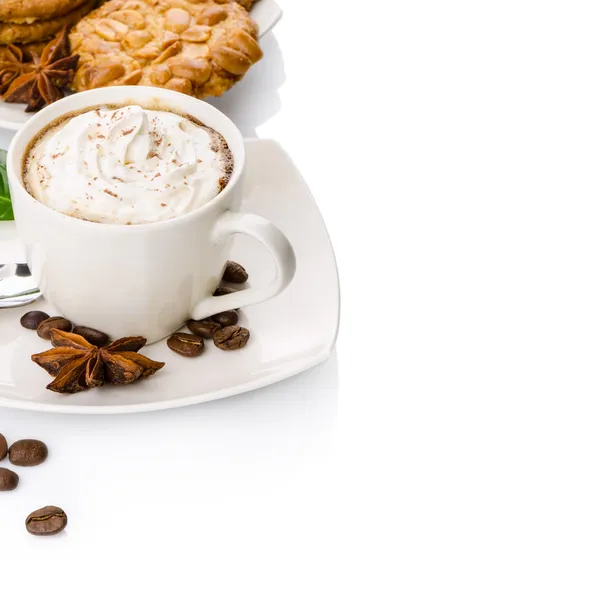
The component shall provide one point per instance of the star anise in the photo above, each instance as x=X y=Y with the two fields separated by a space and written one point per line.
x=78 y=365
x=42 y=81
x=14 y=61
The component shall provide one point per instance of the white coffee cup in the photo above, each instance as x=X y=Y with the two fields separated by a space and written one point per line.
x=141 y=279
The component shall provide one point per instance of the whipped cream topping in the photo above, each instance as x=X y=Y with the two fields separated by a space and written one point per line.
x=127 y=166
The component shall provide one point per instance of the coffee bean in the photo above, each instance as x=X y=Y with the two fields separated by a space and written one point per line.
x=46 y=521
x=93 y=336
x=223 y=291
x=32 y=319
x=235 y=273
x=28 y=453
x=46 y=325
x=3 y=447
x=186 y=344
x=205 y=328
x=9 y=480
x=225 y=319
x=231 y=338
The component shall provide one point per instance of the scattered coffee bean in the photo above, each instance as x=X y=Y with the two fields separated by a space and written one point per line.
x=9 y=480
x=3 y=447
x=225 y=319
x=28 y=453
x=205 y=328
x=186 y=344
x=32 y=319
x=46 y=521
x=235 y=273
x=223 y=291
x=93 y=336
x=46 y=325
x=231 y=338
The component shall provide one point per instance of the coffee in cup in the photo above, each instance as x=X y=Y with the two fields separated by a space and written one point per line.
x=127 y=165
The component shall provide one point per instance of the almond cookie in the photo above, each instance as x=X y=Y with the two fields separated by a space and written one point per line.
x=201 y=48
x=247 y=4
x=28 y=11
x=13 y=33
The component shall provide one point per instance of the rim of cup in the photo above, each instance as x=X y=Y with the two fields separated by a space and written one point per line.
x=147 y=97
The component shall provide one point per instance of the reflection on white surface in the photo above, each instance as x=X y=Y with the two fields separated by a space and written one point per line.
x=126 y=479
x=281 y=426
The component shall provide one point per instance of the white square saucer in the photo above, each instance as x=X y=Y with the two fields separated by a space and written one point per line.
x=289 y=333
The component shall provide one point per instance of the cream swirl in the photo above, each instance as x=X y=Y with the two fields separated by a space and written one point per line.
x=127 y=166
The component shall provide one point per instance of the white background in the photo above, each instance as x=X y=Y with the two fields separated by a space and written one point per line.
x=451 y=447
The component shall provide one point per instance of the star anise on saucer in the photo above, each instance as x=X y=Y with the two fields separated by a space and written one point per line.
x=78 y=365
x=44 y=79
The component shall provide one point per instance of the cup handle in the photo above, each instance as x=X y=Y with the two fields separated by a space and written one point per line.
x=276 y=243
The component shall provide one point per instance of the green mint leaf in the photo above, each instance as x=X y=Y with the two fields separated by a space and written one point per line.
x=6 y=212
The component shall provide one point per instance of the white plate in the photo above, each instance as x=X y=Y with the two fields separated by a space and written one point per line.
x=290 y=333
x=266 y=14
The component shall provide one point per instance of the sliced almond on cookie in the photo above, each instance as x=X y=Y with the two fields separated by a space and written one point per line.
x=245 y=43
x=196 y=70
x=232 y=61
x=212 y=15
x=102 y=75
x=160 y=74
x=177 y=20
x=196 y=34
x=137 y=39
x=132 y=18
x=179 y=84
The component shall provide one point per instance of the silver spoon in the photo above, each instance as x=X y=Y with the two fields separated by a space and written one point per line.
x=17 y=286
